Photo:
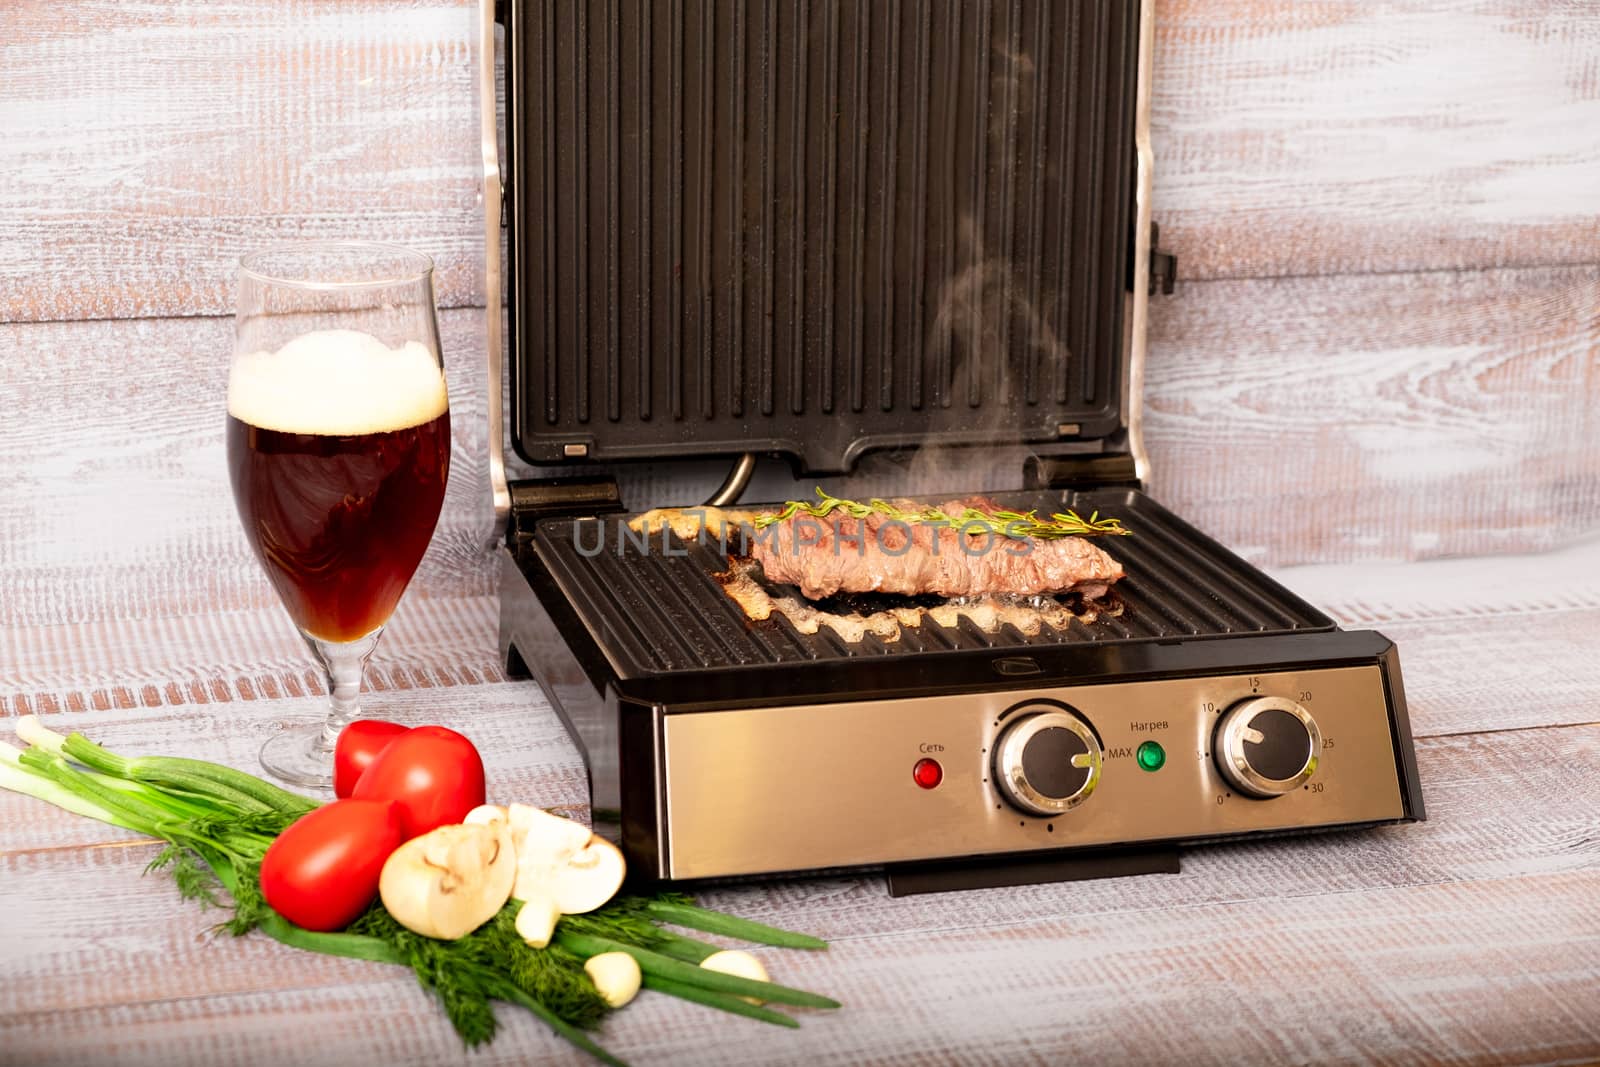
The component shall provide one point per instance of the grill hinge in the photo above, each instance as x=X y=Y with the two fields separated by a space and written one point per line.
x=574 y=497
x=1080 y=472
x=1163 y=265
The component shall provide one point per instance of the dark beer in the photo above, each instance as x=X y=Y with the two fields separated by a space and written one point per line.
x=338 y=449
x=339 y=521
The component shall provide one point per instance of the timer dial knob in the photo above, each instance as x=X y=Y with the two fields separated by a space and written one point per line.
x=1267 y=746
x=1047 y=762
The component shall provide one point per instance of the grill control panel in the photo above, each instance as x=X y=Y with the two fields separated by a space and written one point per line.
x=1146 y=761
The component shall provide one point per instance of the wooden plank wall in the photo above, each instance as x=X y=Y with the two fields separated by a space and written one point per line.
x=1385 y=344
x=1389 y=326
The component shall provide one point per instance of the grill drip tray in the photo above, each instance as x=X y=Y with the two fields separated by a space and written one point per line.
x=662 y=608
x=723 y=747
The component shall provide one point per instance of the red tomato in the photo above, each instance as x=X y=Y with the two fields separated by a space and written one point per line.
x=358 y=745
x=322 y=872
x=433 y=775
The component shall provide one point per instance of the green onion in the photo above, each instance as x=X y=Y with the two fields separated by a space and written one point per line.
x=716 y=922
x=720 y=1001
x=241 y=791
x=506 y=990
x=684 y=948
x=134 y=811
x=19 y=778
x=655 y=963
x=350 y=946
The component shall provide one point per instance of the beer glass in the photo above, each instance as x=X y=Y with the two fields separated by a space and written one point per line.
x=338 y=438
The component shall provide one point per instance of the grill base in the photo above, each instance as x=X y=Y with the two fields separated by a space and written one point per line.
x=704 y=734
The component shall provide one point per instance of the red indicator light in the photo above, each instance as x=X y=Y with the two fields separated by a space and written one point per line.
x=927 y=773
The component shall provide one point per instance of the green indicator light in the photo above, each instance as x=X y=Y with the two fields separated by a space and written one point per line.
x=1151 y=756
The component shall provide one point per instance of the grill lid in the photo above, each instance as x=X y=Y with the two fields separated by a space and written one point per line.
x=815 y=228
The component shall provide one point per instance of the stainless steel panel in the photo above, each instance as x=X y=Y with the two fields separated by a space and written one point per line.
x=795 y=788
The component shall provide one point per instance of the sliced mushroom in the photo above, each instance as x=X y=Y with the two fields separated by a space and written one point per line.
x=616 y=975
x=536 y=919
x=590 y=878
x=486 y=815
x=558 y=833
x=449 y=881
x=563 y=860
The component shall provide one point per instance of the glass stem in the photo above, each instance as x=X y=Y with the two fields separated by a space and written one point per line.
x=345 y=663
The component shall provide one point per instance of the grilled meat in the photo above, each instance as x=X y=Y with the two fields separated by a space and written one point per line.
x=878 y=555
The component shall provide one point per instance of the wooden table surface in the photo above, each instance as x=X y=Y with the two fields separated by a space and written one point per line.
x=1471 y=938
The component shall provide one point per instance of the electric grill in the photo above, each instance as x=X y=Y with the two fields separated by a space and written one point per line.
x=818 y=230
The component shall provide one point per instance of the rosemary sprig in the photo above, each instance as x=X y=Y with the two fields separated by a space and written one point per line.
x=1015 y=524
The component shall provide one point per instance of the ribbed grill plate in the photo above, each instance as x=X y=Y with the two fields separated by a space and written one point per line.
x=815 y=227
x=658 y=613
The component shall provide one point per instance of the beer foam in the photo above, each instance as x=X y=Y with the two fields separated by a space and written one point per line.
x=337 y=382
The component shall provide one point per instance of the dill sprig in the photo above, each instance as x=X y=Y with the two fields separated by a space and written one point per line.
x=623 y=919
x=267 y=824
x=250 y=908
x=551 y=976
x=436 y=965
x=192 y=877
x=1014 y=524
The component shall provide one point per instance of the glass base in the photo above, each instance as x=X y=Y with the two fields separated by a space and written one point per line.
x=303 y=754
x=299 y=755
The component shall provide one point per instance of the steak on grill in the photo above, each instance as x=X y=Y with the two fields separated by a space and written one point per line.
x=878 y=555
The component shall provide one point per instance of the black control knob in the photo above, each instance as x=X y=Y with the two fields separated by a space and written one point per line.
x=1267 y=746
x=1047 y=762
